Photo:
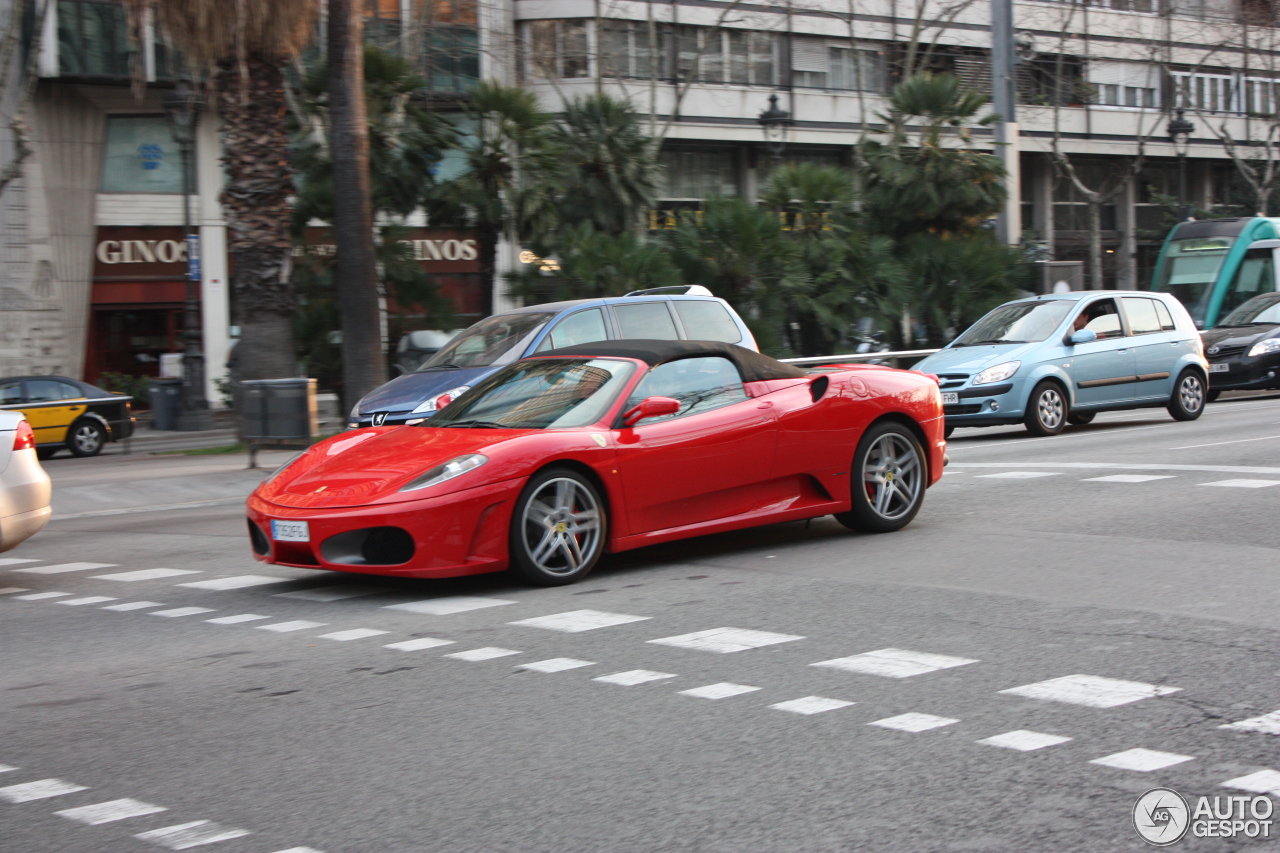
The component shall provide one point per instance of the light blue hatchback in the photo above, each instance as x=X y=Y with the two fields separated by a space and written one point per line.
x=1060 y=359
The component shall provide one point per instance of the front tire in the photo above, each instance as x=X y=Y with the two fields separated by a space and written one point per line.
x=86 y=438
x=889 y=476
x=1047 y=409
x=1187 y=402
x=558 y=528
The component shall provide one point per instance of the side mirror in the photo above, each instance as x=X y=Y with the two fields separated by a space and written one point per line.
x=650 y=407
x=1084 y=336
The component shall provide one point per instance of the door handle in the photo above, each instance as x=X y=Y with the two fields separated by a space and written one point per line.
x=764 y=405
x=1126 y=349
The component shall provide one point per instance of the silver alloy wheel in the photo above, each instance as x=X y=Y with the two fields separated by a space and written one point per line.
x=87 y=438
x=561 y=526
x=893 y=475
x=1191 y=393
x=1050 y=408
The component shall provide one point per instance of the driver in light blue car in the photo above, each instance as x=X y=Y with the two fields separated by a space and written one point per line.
x=1059 y=359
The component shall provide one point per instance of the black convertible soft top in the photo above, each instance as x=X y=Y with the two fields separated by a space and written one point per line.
x=752 y=366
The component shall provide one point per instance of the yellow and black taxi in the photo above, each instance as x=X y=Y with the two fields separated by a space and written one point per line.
x=67 y=413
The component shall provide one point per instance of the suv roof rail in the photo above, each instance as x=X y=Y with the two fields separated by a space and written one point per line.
x=675 y=290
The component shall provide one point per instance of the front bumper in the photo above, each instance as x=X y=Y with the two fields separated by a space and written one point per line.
x=1245 y=374
x=986 y=405
x=389 y=419
x=463 y=533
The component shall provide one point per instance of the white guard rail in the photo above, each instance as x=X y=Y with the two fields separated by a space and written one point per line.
x=892 y=357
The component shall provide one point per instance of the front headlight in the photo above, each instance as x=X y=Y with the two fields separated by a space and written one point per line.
x=447 y=471
x=439 y=401
x=1270 y=345
x=999 y=373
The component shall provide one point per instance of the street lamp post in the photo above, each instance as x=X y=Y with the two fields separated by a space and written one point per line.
x=1180 y=131
x=182 y=110
x=775 y=122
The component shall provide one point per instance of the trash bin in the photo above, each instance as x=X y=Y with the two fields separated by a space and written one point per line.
x=166 y=402
x=279 y=409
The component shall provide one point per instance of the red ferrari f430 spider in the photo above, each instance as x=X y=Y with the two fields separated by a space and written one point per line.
x=608 y=446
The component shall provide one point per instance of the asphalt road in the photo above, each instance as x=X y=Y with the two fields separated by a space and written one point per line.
x=1135 y=550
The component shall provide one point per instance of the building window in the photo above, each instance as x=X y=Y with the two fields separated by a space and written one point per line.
x=1124 y=84
x=707 y=54
x=818 y=63
x=630 y=49
x=1052 y=81
x=382 y=24
x=558 y=50
x=92 y=39
x=450 y=39
x=140 y=156
x=696 y=175
x=1149 y=7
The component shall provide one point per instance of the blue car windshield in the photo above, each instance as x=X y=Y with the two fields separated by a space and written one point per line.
x=540 y=393
x=1017 y=323
x=499 y=339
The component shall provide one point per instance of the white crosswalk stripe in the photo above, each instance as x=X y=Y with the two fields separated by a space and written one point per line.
x=555 y=665
x=1090 y=690
x=238 y=619
x=286 y=627
x=187 y=835
x=353 y=634
x=1244 y=484
x=145 y=575
x=39 y=790
x=726 y=640
x=1141 y=760
x=895 y=663
x=133 y=605
x=1024 y=741
x=92 y=599
x=1268 y=724
x=577 y=621
x=1262 y=782
x=10 y=590
x=810 y=705
x=1128 y=478
x=240 y=582
x=65 y=567
x=723 y=690
x=110 y=811
x=15 y=561
x=487 y=653
x=330 y=593
x=913 y=722
x=632 y=677
x=419 y=644
x=40 y=596
x=449 y=605
x=182 y=611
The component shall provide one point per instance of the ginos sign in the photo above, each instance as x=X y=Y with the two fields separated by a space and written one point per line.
x=438 y=250
x=444 y=250
x=142 y=251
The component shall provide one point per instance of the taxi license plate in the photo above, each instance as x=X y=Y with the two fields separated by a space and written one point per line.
x=290 y=531
x=1222 y=367
x=950 y=398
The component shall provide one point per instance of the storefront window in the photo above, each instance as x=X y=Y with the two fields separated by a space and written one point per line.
x=140 y=156
x=699 y=174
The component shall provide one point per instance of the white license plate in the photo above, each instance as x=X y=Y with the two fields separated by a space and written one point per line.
x=1219 y=368
x=950 y=398
x=290 y=531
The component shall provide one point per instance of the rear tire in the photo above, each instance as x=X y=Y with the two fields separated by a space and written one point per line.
x=86 y=438
x=1081 y=418
x=1187 y=402
x=558 y=528
x=1047 y=409
x=888 y=479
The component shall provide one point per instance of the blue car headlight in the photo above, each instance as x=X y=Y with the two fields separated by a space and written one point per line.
x=447 y=471
x=439 y=401
x=1266 y=347
x=999 y=373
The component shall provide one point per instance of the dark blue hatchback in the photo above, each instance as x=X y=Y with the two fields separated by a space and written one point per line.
x=677 y=313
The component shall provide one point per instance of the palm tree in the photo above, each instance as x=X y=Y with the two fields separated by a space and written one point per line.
x=610 y=169
x=243 y=48
x=505 y=186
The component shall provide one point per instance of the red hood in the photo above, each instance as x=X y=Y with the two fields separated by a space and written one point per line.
x=370 y=465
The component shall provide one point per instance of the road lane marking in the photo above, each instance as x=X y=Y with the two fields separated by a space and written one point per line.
x=1024 y=741
x=239 y=582
x=39 y=790
x=1262 y=782
x=1123 y=466
x=40 y=596
x=810 y=705
x=187 y=835
x=725 y=640
x=10 y=590
x=487 y=653
x=15 y=561
x=555 y=665
x=353 y=634
x=133 y=605
x=1142 y=760
x=894 y=663
x=330 y=593
x=913 y=722
x=632 y=677
x=1128 y=478
x=145 y=575
x=182 y=611
x=723 y=690
x=110 y=811
x=65 y=567
x=1020 y=475
x=5 y=768
x=1220 y=443
x=1090 y=690
x=419 y=644
x=93 y=599
x=1244 y=484
x=1267 y=724
x=155 y=508
x=448 y=605
x=286 y=627
x=576 y=621
x=237 y=619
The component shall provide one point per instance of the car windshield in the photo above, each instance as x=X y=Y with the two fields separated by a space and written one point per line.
x=1017 y=323
x=540 y=393
x=495 y=340
x=1191 y=267
x=1259 y=309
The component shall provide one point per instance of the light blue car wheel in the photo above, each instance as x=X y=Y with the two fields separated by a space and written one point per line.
x=1047 y=409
